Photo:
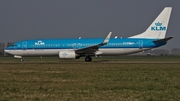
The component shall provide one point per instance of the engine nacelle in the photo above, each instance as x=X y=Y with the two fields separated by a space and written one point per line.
x=16 y=56
x=67 y=54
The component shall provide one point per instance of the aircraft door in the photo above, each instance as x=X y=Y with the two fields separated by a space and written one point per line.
x=79 y=45
x=24 y=45
x=74 y=45
x=140 y=44
x=14 y=46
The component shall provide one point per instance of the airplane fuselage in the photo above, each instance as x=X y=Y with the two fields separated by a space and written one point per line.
x=45 y=47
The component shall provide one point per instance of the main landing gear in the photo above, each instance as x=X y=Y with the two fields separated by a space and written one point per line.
x=88 y=59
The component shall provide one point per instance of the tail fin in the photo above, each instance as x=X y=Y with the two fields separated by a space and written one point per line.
x=157 y=30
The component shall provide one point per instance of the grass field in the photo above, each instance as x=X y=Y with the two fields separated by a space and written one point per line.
x=104 y=79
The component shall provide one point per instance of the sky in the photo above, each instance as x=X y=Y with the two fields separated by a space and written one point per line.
x=38 y=19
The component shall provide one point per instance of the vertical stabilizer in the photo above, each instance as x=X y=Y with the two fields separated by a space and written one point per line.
x=157 y=30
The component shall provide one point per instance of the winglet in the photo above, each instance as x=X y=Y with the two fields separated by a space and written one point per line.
x=106 y=40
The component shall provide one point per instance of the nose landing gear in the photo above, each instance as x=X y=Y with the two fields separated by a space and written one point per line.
x=22 y=59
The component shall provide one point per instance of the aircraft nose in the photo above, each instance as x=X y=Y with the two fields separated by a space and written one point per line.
x=7 y=51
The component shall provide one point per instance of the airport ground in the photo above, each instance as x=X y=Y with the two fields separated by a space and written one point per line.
x=123 y=78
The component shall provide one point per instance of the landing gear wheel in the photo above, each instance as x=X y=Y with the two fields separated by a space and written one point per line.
x=88 y=59
x=22 y=59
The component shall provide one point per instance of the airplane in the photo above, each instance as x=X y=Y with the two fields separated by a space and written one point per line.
x=74 y=48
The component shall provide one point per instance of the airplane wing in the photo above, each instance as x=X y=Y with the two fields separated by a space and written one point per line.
x=94 y=48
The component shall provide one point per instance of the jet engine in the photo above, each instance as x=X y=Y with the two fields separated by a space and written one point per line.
x=67 y=54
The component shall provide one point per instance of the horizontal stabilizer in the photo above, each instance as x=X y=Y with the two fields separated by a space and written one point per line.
x=164 y=40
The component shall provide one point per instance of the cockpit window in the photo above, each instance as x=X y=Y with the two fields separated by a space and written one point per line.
x=14 y=45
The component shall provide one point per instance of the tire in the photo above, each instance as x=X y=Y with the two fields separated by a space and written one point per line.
x=88 y=59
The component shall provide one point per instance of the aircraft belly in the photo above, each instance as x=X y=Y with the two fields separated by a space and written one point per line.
x=49 y=52
x=53 y=52
x=42 y=52
x=122 y=51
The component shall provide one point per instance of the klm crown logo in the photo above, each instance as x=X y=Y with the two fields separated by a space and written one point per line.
x=158 y=27
x=158 y=24
x=64 y=54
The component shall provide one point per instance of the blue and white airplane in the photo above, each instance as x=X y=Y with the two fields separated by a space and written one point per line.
x=153 y=37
